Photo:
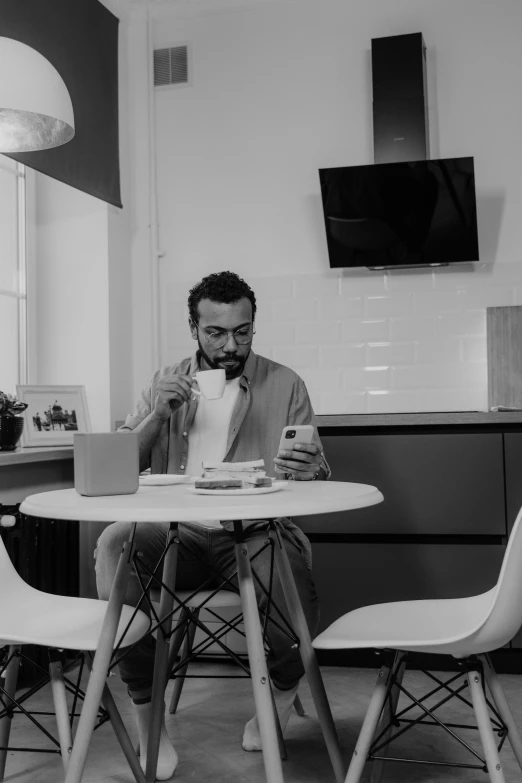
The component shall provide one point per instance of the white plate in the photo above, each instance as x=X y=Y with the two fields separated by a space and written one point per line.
x=236 y=492
x=162 y=479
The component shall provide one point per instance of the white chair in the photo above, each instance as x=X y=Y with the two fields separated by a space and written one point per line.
x=29 y=616
x=185 y=625
x=188 y=624
x=467 y=629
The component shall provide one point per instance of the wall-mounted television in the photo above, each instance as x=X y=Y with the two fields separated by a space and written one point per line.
x=416 y=213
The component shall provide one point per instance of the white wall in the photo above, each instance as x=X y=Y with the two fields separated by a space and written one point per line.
x=72 y=294
x=280 y=90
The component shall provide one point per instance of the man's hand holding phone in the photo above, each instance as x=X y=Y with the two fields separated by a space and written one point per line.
x=301 y=460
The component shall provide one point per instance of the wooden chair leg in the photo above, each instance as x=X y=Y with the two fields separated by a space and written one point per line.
x=122 y=735
x=299 y=706
x=177 y=640
x=61 y=710
x=161 y=657
x=131 y=753
x=179 y=677
x=489 y=745
x=502 y=706
x=279 y=731
x=370 y=722
x=10 y=676
x=390 y=708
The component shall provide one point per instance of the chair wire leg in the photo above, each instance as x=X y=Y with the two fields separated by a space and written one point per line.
x=496 y=774
x=63 y=724
x=11 y=678
x=371 y=719
x=502 y=706
x=390 y=708
x=179 y=677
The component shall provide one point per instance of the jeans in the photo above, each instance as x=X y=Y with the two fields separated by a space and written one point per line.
x=200 y=548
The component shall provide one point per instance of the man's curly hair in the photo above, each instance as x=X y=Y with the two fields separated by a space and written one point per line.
x=221 y=287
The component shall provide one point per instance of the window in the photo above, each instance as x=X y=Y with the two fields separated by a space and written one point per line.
x=13 y=282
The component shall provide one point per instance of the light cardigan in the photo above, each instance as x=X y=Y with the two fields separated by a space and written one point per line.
x=271 y=396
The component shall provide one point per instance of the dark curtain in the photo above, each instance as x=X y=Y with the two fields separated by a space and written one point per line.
x=80 y=38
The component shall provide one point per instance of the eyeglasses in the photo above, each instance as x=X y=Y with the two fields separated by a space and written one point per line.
x=241 y=336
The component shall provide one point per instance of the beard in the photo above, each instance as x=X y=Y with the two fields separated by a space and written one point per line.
x=213 y=364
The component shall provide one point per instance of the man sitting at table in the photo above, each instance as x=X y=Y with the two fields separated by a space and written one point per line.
x=178 y=431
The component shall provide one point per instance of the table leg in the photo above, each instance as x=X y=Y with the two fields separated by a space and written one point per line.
x=161 y=659
x=100 y=664
x=119 y=729
x=307 y=651
x=256 y=656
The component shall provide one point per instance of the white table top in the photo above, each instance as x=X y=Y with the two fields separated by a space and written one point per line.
x=175 y=504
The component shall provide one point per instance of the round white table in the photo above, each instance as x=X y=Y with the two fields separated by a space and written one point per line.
x=173 y=504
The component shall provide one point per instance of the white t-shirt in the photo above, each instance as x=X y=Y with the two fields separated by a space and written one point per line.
x=208 y=436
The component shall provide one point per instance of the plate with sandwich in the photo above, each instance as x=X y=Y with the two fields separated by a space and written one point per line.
x=235 y=478
x=165 y=479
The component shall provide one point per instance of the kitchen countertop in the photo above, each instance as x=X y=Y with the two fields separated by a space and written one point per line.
x=334 y=420
x=444 y=418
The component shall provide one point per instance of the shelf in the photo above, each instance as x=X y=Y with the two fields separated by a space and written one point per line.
x=42 y=454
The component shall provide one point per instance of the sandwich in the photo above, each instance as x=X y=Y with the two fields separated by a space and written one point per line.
x=233 y=475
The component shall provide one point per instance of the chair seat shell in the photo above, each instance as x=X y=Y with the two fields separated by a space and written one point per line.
x=30 y=616
x=446 y=626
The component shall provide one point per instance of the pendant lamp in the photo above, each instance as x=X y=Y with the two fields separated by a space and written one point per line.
x=36 y=112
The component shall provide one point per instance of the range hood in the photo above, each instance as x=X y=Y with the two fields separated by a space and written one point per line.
x=400 y=101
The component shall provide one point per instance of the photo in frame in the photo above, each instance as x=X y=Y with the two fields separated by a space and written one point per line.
x=53 y=415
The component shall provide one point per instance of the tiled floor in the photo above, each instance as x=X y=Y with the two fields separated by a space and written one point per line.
x=207 y=734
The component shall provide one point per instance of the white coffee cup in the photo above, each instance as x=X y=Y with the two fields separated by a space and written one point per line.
x=211 y=383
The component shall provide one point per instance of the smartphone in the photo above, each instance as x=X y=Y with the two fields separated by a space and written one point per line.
x=299 y=433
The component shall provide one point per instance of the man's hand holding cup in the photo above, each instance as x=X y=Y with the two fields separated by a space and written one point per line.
x=176 y=389
x=172 y=391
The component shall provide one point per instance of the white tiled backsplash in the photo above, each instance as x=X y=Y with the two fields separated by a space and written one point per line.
x=372 y=342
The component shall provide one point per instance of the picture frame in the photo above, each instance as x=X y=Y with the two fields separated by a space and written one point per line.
x=53 y=415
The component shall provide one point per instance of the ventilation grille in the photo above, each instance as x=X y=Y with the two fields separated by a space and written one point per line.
x=171 y=66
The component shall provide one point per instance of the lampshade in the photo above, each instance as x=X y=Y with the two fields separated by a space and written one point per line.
x=36 y=112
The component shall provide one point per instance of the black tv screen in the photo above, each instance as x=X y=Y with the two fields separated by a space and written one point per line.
x=401 y=214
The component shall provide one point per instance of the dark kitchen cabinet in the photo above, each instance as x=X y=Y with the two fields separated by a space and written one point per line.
x=513 y=468
x=451 y=496
x=439 y=484
x=351 y=575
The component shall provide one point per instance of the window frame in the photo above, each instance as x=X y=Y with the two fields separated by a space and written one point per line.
x=20 y=173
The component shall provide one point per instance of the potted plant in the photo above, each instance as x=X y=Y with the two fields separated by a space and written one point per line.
x=11 y=421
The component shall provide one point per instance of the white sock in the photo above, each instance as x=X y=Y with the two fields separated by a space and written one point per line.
x=284 y=701
x=167 y=756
